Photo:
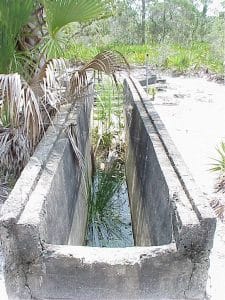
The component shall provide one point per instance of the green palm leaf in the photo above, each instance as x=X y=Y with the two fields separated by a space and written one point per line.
x=59 y=13
x=13 y=15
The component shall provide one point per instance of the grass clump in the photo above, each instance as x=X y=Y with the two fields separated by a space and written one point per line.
x=218 y=204
x=104 y=220
x=106 y=226
x=219 y=165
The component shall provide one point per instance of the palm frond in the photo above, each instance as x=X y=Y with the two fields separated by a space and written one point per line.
x=13 y=15
x=219 y=165
x=21 y=106
x=78 y=82
x=48 y=84
x=53 y=47
x=60 y=13
x=108 y=62
x=15 y=151
x=72 y=133
x=10 y=91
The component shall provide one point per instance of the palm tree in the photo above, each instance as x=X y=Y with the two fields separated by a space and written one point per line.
x=22 y=103
x=25 y=105
x=13 y=16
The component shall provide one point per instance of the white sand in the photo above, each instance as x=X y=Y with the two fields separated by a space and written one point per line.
x=193 y=111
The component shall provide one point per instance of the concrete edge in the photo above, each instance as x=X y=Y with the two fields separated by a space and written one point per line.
x=13 y=206
x=200 y=204
x=30 y=225
x=111 y=256
x=204 y=228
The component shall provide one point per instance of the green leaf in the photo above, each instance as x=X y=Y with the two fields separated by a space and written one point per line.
x=13 y=16
x=60 y=13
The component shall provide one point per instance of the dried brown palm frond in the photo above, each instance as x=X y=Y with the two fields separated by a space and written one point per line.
x=72 y=133
x=108 y=62
x=15 y=151
x=10 y=93
x=4 y=190
x=48 y=82
x=218 y=205
x=25 y=111
x=78 y=82
x=20 y=107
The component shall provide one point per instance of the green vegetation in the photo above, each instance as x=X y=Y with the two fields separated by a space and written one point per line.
x=218 y=204
x=104 y=220
x=219 y=164
x=194 y=57
x=105 y=225
x=32 y=32
x=177 y=35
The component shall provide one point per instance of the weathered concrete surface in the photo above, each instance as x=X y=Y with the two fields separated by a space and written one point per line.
x=37 y=268
x=41 y=207
x=107 y=273
x=157 y=174
x=148 y=191
x=166 y=204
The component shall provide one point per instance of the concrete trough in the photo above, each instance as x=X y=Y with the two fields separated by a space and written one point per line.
x=43 y=221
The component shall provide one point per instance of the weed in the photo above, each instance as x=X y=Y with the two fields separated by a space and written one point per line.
x=152 y=92
x=219 y=165
x=104 y=221
x=105 y=225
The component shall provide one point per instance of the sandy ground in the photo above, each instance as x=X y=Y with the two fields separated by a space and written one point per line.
x=193 y=111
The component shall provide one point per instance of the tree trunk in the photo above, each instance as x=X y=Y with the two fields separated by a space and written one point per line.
x=143 y=22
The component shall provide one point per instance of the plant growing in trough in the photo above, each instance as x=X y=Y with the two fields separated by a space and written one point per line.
x=104 y=221
x=107 y=201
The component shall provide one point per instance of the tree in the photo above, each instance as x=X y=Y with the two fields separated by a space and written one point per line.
x=23 y=106
x=143 y=21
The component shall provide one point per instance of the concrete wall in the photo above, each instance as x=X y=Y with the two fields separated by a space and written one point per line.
x=48 y=198
x=168 y=190
x=101 y=273
x=147 y=186
x=47 y=209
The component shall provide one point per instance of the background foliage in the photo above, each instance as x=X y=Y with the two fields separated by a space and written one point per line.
x=178 y=34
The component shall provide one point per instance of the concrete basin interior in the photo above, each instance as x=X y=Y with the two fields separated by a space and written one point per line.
x=43 y=222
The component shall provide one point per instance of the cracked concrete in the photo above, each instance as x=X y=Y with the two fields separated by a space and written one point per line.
x=172 y=259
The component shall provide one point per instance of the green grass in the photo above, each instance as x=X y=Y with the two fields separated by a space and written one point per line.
x=104 y=221
x=171 y=57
